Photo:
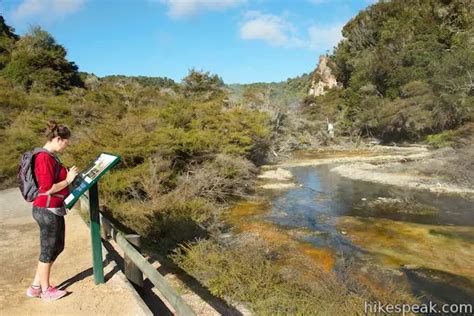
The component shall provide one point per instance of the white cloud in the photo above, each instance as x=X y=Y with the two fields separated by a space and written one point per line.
x=46 y=8
x=324 y=37
x=278 y=31
x=185 y=8
x=269 y=28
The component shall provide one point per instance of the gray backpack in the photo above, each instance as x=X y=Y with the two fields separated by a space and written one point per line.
x=26 y=176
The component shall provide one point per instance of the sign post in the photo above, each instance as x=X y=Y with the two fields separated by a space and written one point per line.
x=97 y=264
x=88 y=181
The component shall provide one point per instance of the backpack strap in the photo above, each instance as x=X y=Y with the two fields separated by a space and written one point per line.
x=56 y=158
x=49 y=197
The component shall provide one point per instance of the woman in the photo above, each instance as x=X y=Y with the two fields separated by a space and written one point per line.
x=48 y=207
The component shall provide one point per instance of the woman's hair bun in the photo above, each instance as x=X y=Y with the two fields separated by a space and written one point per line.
x=52 y=126
x=54 y=129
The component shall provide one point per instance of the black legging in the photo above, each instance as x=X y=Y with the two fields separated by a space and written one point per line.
x=52 y=232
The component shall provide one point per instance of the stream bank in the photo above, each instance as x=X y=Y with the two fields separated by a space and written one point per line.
x=349 y=206
x=310 y=241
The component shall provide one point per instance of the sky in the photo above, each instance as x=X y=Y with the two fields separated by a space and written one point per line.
x=242 y=41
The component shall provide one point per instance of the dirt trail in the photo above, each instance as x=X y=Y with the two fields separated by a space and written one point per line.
x=19 y=248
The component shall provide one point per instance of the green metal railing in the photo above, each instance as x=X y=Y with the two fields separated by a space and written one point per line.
x=135 y=264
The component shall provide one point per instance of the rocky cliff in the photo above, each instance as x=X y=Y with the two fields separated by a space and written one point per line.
x=322 y=79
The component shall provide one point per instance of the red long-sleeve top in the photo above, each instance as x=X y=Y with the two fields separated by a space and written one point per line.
x=45 y=170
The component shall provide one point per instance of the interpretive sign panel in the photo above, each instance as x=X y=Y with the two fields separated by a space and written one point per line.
x=89 y=176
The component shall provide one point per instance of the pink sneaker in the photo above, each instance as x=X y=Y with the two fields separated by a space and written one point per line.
x=32 y=292
x=52 y=294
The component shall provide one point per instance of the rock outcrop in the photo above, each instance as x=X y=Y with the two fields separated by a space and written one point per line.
x=322 y=79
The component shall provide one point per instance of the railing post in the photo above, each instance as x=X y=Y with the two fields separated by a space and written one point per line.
x=95 y=234
x=132 y=272
x=134 y=260
x=106 y=228
x=159 y=281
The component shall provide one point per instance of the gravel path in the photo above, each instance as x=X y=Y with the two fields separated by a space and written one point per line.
x=72 y=270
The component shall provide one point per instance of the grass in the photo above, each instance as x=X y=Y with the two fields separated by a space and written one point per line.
x=444 y=139
x=249 y=271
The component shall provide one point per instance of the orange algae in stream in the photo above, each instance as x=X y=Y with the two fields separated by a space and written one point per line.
x=324 y=257
x=245 y=209
x=276 y=237
x=396 y=243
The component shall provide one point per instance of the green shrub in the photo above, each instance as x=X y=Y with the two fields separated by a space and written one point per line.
x=444 y=139
x=222 y=179
x=249 y=272
x=202 y=85
x=167 y=219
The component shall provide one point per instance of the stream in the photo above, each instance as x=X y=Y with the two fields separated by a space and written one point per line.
x=418 y=239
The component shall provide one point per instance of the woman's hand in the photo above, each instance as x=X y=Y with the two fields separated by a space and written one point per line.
x=71 y=174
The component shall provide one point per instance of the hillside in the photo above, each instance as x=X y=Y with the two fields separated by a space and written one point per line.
x=285 y=94
x=406 y=69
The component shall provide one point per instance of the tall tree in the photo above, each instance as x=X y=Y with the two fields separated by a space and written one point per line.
x=7 y=41
x=38 y=63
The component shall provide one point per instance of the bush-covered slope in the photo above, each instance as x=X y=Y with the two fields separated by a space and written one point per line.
x=406 y=68
x=184 y=151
